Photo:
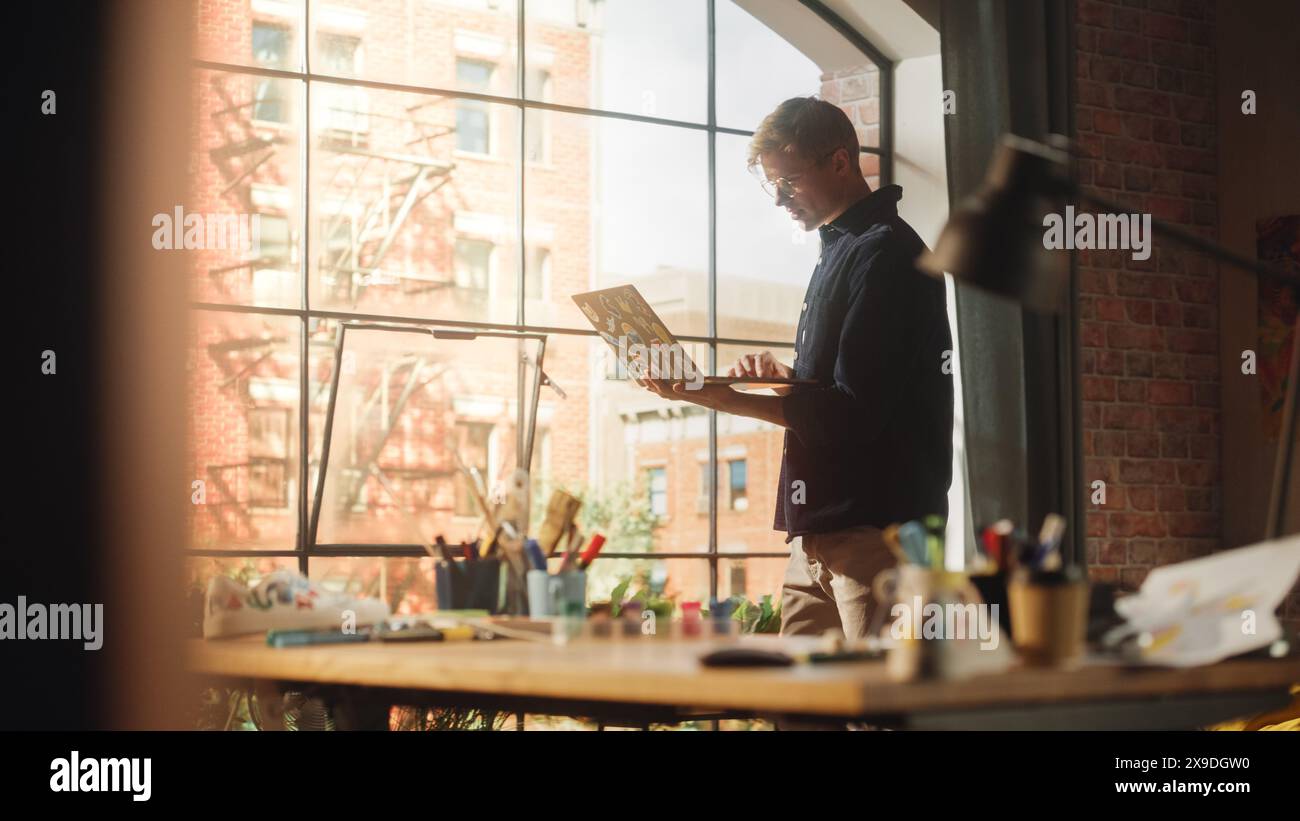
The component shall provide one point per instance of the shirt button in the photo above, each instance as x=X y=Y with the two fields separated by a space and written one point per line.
x=805 y=306
x=796 y=355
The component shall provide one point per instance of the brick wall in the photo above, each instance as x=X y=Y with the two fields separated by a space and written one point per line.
x=1145 y=112
x=856 y=90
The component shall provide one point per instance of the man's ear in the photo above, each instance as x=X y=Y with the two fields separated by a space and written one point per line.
x=842 y=163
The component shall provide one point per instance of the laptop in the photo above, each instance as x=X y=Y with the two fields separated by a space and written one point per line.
x=647 y=349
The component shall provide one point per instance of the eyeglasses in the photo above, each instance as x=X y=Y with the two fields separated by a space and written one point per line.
x=785 y=186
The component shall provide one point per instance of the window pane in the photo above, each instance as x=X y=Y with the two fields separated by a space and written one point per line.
x=624 y=202
x=751 y=578
x=737 y=498
x=417 y=43
x=537 y=148
x=244 y=377
x=623 y=55
x=632 y=457
x=750 y=452
x=408 y=406
x=770 y=52
x=244 y=34
x=411 y=223
x=408 y=586
x=765 y=258
x=241 y=227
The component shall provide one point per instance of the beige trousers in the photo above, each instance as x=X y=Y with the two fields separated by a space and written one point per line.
x=828 y=582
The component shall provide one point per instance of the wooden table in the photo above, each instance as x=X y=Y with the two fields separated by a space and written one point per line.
x=643 y=680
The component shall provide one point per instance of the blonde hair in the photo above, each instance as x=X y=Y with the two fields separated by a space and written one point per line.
x=809 y=127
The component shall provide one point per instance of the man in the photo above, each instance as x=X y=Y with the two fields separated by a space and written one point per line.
x=871 y=443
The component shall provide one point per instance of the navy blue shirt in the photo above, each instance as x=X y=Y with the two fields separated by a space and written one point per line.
x=871 y=443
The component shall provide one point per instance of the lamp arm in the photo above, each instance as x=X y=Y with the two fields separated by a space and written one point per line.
x=1187 y=238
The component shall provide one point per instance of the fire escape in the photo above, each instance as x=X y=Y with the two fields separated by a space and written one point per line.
x=372 y=195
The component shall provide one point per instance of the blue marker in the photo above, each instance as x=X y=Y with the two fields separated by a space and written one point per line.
x=534 y=551
x=912 y=538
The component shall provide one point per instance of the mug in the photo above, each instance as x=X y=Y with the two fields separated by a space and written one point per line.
x=911 y=655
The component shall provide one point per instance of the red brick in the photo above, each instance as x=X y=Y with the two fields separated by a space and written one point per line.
x=1108 y=122
x=1098 y=389
x=1122 y=44
x=1092 y=13
x=1137 y=363
x=1112 y=552
x=1147 y=471
x=1136 y=524
x=1171 y=498
x=1141 y=498
x=1131 y=390
x=1143 y=444
x=1110 y=363
x=1195 y=473
x=1193 y=524
x=1165 y=27
x=1164 y=392
x=1125 y=417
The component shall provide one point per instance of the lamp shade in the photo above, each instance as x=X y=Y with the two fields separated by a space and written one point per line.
x=994 y=239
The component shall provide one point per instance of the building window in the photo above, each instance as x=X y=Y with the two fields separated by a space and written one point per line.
x=268 y=457
x=275 y=240
x=344 y=109
x=271 y=94
x=338 y=54
x=536 y=120
x=706 y=489
x=657 y=484
x=538 y=282
x=473 y=264
x=473 y=439
x=737 y=578
x=737 y=482
x=473 y=120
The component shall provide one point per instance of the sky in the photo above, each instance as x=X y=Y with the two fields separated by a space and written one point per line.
x=653 y=207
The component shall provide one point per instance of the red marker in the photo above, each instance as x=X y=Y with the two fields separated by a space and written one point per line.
x=597 y=542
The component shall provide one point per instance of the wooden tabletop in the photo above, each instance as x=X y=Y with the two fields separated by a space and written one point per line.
x=660 y=671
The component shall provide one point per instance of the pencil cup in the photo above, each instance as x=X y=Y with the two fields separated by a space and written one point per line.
x=539 y=596
x=1049 y=616
x=566 y=602
x=475 y=585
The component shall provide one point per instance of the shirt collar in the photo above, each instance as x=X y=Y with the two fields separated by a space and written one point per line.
x=878 y=206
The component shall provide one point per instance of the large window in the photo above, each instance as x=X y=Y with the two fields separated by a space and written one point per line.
x=440 y=164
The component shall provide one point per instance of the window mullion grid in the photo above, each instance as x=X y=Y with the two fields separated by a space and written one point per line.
x=521 y=270
x=712 y=123
x=304 y=324
x=302 y=550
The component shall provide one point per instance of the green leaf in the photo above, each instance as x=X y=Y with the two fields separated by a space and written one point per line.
x=616 y=596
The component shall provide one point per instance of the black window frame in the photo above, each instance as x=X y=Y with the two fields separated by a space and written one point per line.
x=308 y=316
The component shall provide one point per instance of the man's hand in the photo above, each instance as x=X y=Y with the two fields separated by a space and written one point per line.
x=763 y=364
x=718 y=397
